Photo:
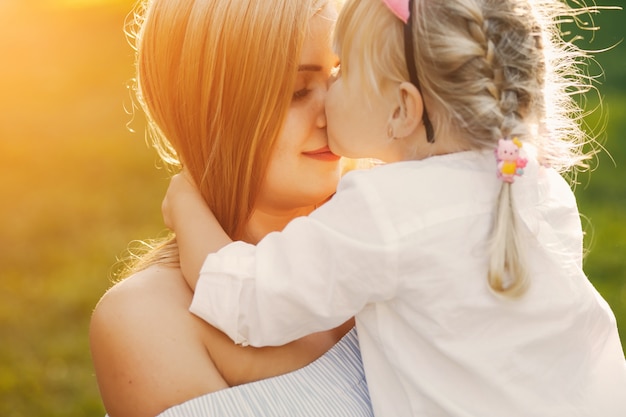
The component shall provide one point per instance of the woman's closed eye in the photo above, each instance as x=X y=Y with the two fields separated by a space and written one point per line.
x=301 y=94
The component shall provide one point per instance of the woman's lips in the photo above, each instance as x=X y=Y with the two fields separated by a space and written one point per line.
x=322 y=154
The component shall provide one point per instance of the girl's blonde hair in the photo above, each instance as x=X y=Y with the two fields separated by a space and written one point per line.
x=215 y=80
x=518 y=78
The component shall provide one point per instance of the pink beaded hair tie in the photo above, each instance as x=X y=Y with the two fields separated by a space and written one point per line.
x=510 y=158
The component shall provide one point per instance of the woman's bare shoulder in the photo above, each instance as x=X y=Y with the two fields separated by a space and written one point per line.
x=151 y=353
x=142 y=289
x=148 y=350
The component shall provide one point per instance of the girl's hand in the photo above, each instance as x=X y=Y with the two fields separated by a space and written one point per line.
x=198 y=233
x=182 y=193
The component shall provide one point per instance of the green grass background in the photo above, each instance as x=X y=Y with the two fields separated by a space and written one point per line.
x=76 y=186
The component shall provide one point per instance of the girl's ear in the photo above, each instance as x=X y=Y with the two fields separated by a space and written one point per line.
x=407 y=113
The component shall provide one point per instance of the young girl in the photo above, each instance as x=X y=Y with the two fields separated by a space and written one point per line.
x=462 y=256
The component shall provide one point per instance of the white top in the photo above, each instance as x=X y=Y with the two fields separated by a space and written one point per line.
x=404 y=246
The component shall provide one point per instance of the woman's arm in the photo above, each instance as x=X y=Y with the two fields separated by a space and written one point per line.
x=150 y=353
x=147 y=348
x=198 y=232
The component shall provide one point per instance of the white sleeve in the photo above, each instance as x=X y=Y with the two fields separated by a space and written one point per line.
x=314 y=275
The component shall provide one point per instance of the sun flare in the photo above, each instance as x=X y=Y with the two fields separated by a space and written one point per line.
x=92 y=3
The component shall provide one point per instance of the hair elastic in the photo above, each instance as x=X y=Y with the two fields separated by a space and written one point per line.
x=510 y=158
x=402 y=10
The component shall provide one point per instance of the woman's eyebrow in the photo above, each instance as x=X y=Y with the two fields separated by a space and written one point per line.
x=309 y=67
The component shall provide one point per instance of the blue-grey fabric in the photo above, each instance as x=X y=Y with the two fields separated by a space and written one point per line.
x=333 y=385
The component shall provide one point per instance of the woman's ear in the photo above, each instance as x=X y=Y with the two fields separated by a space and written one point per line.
x=407 y=113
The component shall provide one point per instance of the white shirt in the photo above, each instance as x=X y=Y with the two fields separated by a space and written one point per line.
x=404 y=248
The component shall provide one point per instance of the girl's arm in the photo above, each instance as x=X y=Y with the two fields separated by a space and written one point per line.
x=319 y=271
x=198 y=232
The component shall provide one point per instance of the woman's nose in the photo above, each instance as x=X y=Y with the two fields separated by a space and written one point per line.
x=320 y=120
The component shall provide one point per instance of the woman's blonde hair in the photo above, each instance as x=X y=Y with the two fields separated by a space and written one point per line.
x=518 y=78
x=215 y=80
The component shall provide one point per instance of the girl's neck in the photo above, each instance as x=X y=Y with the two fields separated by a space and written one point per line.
x=447 y=143
x=263 y=222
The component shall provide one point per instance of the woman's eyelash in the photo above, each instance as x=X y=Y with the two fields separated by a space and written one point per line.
x=300 y=94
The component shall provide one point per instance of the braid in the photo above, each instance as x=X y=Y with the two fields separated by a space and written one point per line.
x=479 y=34
x=492 y=54
x=506 y=274
x=488 y=49
x=515 y=63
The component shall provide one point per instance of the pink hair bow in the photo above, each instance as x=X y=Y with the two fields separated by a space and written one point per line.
x=400 y=8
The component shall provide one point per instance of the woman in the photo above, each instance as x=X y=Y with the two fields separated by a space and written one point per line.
x=234 y=92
